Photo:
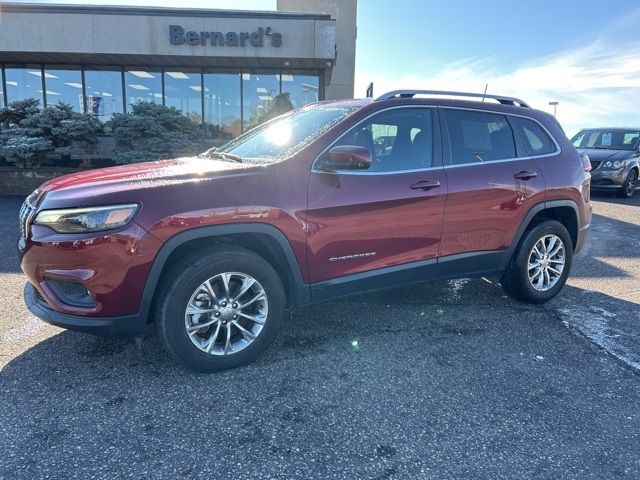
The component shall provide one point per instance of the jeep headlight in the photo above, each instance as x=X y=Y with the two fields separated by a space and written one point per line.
x=87 y=219
x=617 y=164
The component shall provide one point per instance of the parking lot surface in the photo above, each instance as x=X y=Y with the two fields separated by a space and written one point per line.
x=446 y=380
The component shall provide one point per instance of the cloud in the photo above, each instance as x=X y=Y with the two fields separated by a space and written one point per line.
x=597 y=84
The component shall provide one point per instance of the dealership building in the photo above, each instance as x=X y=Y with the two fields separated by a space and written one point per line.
x=222 y=68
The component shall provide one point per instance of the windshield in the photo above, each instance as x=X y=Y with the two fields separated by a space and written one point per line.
x=283 y=136
x=613 y=139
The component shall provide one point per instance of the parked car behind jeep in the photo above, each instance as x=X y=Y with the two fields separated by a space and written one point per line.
x=614 y=155
x=305 y=209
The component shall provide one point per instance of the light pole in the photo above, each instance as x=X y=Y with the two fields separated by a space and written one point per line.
x=555 y=106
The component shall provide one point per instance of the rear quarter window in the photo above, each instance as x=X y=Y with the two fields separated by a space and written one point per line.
x=536 y=139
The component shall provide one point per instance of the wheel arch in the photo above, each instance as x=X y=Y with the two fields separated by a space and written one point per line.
x=563 y=211
x=265 y=240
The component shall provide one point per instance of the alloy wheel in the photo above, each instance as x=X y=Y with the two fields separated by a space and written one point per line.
x=546 y=262
x=631 y=185
x=226 y=313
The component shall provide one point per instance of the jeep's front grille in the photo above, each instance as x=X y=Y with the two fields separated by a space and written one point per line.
x=27 y=211
x=595 y=164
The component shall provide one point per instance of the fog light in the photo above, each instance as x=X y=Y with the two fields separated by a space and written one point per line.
x=71 y=293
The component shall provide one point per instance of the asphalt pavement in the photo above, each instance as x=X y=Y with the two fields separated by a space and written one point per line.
x=448 y=380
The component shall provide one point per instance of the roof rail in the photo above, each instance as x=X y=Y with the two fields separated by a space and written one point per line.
x=516 y=102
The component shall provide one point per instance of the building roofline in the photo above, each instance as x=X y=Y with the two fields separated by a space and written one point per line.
x=8 y=7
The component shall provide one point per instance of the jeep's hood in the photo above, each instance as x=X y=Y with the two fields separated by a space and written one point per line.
x=136 y=181
x=600 y=155
x=148 y=174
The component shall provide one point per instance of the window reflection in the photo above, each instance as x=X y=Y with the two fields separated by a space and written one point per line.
x=302 y=89
x=182 y=89
x=64 y=84
x=222 y=105
x=23 y=81
x=143 y=84
x=104 y=92
x=258 y=92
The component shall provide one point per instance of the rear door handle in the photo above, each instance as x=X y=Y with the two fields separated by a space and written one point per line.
x=425 y=185
x=525 y=175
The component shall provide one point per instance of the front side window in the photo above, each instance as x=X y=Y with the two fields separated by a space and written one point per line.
x=398 y=139
x=284 y=135
x=612 y=139
x=536 y=140
x=479 y=136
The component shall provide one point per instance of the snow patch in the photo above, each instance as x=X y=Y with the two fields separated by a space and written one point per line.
x=456 y=287
x=599 y=326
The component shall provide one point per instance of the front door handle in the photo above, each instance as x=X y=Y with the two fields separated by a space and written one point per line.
x=425 y=185
x=525 y=175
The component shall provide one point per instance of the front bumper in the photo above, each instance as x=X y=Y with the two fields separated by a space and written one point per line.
x=111 y=269
x=125 y=326
x=607 y=179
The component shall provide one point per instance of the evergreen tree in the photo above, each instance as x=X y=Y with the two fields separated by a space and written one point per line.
x=35 y=134
x=281 y=104
x=15 y=112
x=154 y=132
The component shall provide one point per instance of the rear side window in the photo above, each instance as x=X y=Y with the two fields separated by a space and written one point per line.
x=479 y=136
x=535 y=138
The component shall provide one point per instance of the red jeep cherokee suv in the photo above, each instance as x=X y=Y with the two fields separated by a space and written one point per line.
x=329 y=200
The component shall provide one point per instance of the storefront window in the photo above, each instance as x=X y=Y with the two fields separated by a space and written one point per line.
x=143 y=84
x=104 y=92
x=183 y=90
x=302 y=89
x=23 y=82
x=258 y=93
x=64 y=84
x=222 y=105
x=1 y=90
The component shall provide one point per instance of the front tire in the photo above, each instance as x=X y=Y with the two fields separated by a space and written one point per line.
x=219 y=310
x=629 y=186
x=540 y=265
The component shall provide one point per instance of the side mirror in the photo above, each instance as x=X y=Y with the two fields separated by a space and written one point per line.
x=346 y=157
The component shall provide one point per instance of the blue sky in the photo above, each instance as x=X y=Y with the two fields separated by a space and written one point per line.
x=583 y=53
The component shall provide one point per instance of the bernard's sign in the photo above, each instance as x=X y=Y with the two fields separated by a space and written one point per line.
x=258 y=38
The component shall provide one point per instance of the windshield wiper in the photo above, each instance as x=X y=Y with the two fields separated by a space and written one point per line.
x=223 y=156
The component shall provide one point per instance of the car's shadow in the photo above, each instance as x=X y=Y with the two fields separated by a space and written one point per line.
x=609 y=238
x=611 y=197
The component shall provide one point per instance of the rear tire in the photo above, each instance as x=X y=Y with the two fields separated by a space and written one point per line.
x=629 y=185
x=540 y=265
x=206 y=288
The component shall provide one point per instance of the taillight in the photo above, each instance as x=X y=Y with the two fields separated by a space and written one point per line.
x=586 y=163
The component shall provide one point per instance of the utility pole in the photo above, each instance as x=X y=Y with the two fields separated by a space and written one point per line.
x=555 y=106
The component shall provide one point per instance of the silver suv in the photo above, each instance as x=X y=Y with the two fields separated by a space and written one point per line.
x=614 y=155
